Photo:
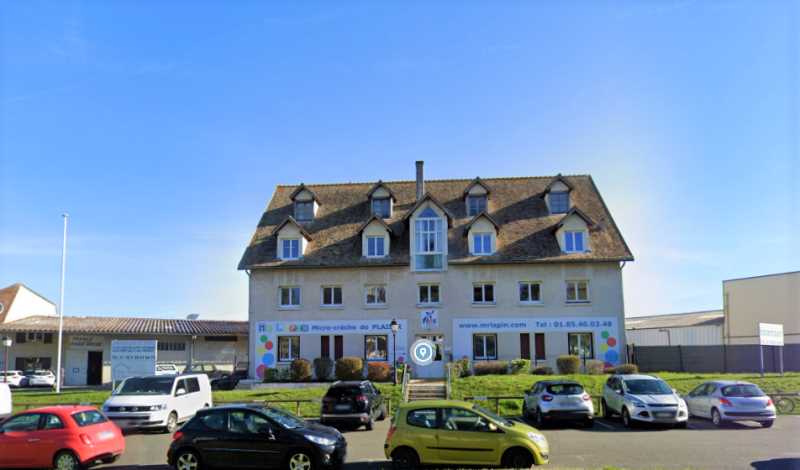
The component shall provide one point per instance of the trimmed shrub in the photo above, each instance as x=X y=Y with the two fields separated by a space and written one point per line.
x=379 y=371
x=463 y=366
x=349 y=368
x=323 y=368
x=542 y=370
x=491 y=368
x=272 y=375
x=300 y=370
x=594 y=367
x=520 y=366
x=626 y=369
x=568 y=364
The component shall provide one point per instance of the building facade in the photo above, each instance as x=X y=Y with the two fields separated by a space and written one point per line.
x=499 y=268
x=773 y=298
x=678 y=329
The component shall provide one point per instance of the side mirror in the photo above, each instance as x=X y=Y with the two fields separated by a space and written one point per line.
x=621 y=392
x=180 y=391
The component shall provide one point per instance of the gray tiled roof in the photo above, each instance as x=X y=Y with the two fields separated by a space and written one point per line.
x=127 y=326
x=517 y=205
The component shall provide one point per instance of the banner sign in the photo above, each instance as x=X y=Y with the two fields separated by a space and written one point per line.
x=429 y=319
x=605 y=331
x=265 y=337
x=131 y=358
x=770 y=334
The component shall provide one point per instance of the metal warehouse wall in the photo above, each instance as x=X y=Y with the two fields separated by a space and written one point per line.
x=684 y=336
x=723 y=358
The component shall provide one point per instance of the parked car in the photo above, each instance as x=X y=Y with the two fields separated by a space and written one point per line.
x=551 y=400
x=209 y=370
x=160 y=402
x=352 y=403
x=231 y=380
x=643 y=398
x=41 y=378
x=458 y=429
x=253 y=436
x=725 y=401
x=13 y=378
x=5 y=401
x=167 y=369
x=62 y=437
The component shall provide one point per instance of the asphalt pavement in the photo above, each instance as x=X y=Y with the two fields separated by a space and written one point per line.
x=701 y=446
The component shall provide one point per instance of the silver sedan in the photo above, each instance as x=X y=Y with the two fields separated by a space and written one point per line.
x=723 y=401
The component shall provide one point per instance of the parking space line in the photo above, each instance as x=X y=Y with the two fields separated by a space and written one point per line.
x=605 y=425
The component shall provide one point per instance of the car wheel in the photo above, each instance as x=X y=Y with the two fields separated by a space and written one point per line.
x=66 y=460
x=300 y=460
x=172 y=422
x=525 y=412
x=517 y=458
x=767 y=424
x=404 y=459
x=682 y=425
x=538 y=418
x=606 y=411
x=187 y=460
x=626 y=418
x=383 y=414
x=370 y=424
x=716 y=418
x=588 y=423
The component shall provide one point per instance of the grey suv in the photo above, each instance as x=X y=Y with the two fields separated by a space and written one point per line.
x=645 y=399
x=551 y=400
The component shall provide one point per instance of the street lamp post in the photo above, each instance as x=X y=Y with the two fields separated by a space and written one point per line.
x=61 y=304
x=7 y=343
x=395 y=327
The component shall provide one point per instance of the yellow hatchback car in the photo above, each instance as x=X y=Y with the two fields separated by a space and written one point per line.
x=448 y=432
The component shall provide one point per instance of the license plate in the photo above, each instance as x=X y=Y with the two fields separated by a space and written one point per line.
x=663 y=415
x=105 y=435
x=342 y=407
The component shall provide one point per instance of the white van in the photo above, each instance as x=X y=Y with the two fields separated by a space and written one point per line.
x=158 y=401
x=5 y=401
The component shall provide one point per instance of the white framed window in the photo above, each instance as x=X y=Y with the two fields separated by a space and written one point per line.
x=530 y=292
x=559 y=202
x=288 y=348
x=577 y=291
x=575 y=241
x=483 y=293
x=484 y=346
x=290 y=248
x=482 y=244
x=428 y=294
x=304 y=210
x=331 y=296
x=375 y=295
x=289 y=296
x=429 y=236
x=376 y=347
x=382 y=207
x=376 y=247
x=581 y=345
x=476 y=205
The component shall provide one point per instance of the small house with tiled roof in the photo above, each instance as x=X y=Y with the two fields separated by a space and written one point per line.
x=484 y=268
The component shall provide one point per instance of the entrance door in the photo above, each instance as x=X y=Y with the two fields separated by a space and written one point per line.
x=94 y=369
x=435 y=369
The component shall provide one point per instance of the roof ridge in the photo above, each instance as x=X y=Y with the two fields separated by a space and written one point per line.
x=642 y=317
x=445 y=180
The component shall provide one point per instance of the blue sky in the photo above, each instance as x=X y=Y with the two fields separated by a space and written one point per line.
x=162 y=127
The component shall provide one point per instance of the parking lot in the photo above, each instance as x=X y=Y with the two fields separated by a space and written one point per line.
x=701 y=446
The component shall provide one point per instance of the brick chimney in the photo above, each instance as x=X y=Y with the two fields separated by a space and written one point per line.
x=420 y=180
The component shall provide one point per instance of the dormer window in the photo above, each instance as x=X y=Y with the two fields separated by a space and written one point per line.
x=382 y=207
x=290 y=248
x=559 y=202
x=375 y=246
x=482 y=244
x=574 y=241
x=429 y=236
x=476 y=205
x=304 y=210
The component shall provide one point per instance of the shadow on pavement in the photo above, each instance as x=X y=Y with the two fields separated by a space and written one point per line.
x=347 y=466
x=777 y=464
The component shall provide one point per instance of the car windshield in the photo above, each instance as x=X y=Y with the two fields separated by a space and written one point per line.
x=88 y=418
x=284 y=418
x=42 y=372
x=742 y=390
x=648 y=387
x=145 y=386
x=493 y=416
x=565 y=389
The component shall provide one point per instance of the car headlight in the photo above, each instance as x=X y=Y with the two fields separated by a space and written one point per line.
x=539 y=439
x=160 y=407
x=323 y=441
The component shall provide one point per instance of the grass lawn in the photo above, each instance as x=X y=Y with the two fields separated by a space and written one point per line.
x=487 y=385
x=515 y=385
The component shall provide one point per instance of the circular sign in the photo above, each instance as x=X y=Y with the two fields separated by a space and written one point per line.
x=423 y=352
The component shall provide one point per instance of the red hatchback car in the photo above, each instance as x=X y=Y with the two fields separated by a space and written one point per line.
x=61 y=437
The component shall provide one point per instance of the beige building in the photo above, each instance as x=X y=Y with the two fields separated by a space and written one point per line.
x=676 y=329
x=500 y=268
x=86 y=358
x=773 y=298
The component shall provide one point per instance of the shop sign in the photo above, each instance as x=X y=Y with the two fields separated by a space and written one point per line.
x=86 y=342
x=429 y=319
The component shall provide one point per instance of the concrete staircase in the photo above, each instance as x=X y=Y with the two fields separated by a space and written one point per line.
x=426 y=389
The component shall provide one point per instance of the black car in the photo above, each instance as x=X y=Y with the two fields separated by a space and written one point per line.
x=209 y=369
x=353 y=403
x=229 y=381
x=254 y=436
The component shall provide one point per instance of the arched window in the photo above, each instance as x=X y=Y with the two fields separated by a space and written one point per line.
x=429 y=236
